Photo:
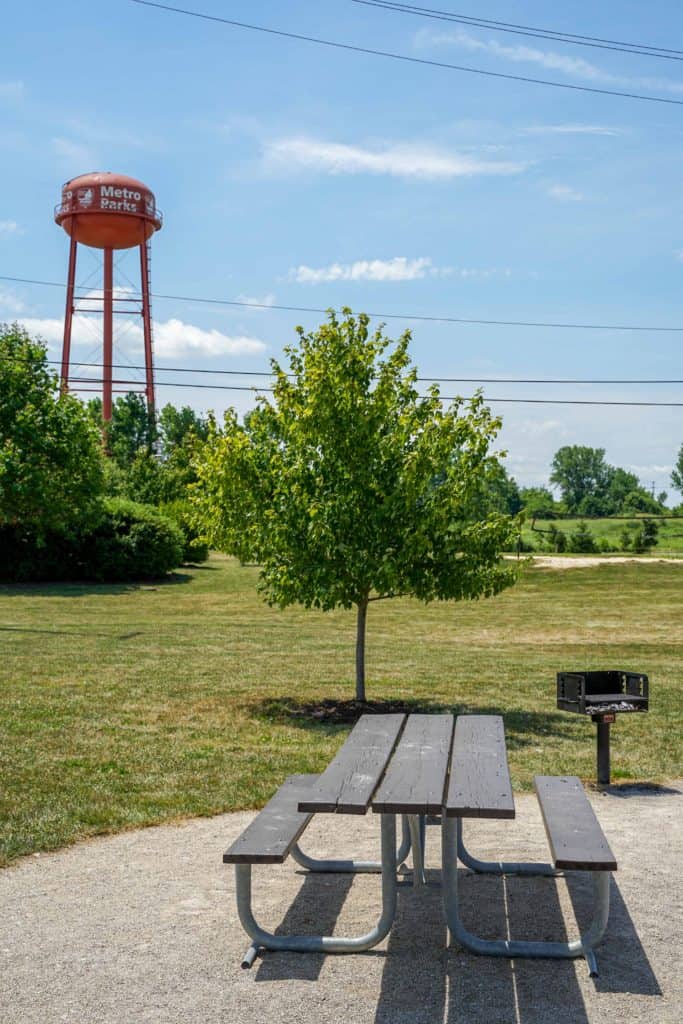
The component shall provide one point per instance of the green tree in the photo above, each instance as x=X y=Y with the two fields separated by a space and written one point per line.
x=130 y=430
x=538 y=502
x=50 y=451
x=582 y=474
x=177 y=426
x=677 y=472
x=347 y=487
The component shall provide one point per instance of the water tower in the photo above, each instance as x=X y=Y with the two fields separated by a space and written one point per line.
x=109 y=211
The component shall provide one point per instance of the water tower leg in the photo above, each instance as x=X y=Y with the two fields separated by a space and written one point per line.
x=108 y=334
x=68 y=316
x=147 y=327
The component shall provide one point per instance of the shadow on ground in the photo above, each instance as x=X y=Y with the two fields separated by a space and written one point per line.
x=521 y=727
x=425 y=982
x=84 y=589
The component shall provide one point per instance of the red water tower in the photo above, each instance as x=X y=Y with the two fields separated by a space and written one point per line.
x=109 y=211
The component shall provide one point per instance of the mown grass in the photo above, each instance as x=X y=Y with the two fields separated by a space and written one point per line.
x=669 y=541
x=123 y=706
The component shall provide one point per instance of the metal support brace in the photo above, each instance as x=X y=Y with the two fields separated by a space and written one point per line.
x=501 y=867
x=355 y=867
x=352 y=866
x=584 y=946
x=322 y=943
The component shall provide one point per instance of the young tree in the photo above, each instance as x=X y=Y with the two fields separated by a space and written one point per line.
x=50 y=452
x=347 y=487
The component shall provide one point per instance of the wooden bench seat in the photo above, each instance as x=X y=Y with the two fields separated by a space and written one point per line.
x=275 y=829
x=576 y=839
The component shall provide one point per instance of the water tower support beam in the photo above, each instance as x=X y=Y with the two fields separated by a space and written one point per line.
x=68 y=316
x=108 y=335
x=147 y=326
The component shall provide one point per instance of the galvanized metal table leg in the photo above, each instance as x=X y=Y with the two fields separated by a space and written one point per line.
x=417 y=844
x=501 y=867
x=353 y=866
x=584 y=946
x=323 y=943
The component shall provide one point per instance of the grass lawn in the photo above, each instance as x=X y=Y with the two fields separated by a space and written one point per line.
x=670 y=539
x=122 y=706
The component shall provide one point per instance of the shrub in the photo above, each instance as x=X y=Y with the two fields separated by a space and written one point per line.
x=581 y=540
x=556 y=539
x=640 y=536
x=132 y=541
x=129 y=542
x=195 y=548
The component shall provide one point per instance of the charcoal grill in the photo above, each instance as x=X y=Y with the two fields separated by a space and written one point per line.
x=602 y=696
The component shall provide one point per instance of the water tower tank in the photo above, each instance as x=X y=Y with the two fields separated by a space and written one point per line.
x=108 y=211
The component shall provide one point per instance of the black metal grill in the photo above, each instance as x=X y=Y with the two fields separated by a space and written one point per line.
x=602 y=696
x=596 y=693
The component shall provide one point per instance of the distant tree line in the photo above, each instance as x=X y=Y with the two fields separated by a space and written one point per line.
x=65 y=475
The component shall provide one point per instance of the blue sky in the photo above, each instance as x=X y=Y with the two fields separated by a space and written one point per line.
x=301 y=175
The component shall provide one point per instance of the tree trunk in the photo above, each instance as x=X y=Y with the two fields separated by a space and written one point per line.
x=360 y=648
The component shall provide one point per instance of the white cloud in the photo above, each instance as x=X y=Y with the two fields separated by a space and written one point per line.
x=171 y=337
x=79 y=157
x=565 y=193
x=257 y=301
x=400 y=268
x=572 y=129
x=401 y=160
x=10 y=227
x=547 y=59
x=11 y=90
x=397 y=269
x=10 y=304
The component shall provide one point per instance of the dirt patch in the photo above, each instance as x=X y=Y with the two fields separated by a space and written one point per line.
x=586 y=561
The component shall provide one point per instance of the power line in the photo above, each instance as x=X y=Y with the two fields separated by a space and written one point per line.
x=443 y=398
x=381 y=316
x=407 y=59
x=435 y=380
x=639 y=49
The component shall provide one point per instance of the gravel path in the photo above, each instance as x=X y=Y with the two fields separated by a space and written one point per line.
x=142 y=927
x=586 y=561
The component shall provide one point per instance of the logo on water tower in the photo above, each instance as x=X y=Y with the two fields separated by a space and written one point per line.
x=85 y=197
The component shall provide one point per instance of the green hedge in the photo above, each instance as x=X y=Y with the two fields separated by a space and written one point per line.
x=128 y=542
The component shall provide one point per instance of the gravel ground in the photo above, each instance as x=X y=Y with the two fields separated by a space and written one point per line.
x=142 y=927
x=586 y=561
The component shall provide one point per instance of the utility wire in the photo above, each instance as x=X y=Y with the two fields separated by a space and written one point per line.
x=439 y=380
x=639 y=49
x=443 y=398
x=407 y=59
x=382 y=316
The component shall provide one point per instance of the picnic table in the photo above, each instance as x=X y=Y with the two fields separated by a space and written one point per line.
x=418 y=766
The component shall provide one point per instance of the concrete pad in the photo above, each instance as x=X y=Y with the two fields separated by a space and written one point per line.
x=142 y=927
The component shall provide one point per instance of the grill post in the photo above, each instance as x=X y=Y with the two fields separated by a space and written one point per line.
x=603 y=751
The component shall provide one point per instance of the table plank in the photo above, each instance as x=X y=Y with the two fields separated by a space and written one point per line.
x=415 y=780
x=479 y=785
x=347 y=784
x=574 y=833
